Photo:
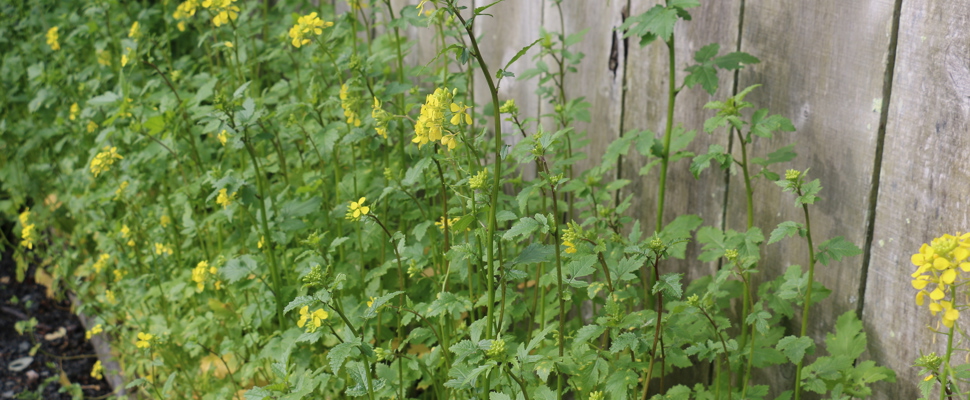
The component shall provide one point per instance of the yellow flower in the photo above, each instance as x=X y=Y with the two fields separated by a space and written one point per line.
x=223 y=10
x=74 y=111
x=125 y=231
x=305 y=25
x=228 y=44
x=93 y=331
x=939 y=264
x=97 y=370
x=185 y=9
x=450 y=141
x=370 y=303
x=428 y=128
x=223 y=137
x=124 y=57
x=27 y=237
x=52 y=39
x=928 y=377
x=570 y=247
x=262 y=241
x=479 y=180
x=164 y=221
x=380 y=118
x=181 y=26
x=162 y=249
x=144 y=340
x=119 y=274
x=357 y=208
x=224 y=199
x=110 y=296
x=459 y=110
x=199 y=273
x=349 y=102
x=103 y=161
x=92 y=126
x=102 y=261
x=315 y=318
x=440 y=223
x=134 y=32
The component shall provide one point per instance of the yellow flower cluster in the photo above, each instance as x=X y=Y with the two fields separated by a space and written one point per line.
x=430 y=124
x=52 y=39
x=357 y=208
x=101 y=263
x=223 y=11
x=163 y=249
x=185 y=10
x=224 y=199
x=27 y=237
x=144 y=340
x=74 y=111
x=135 y=31
x=110 y=296
x=381 y=118
x=349 y=102
x=223 y=137
x=97 y=371
x=479 y=180
x=440 y=223
x=104 y=58
x=315 y=318
x=125 y=232
x=305 y=25
x=93 y=331
x=103 y=161
x=199 y=274
x=92 y=126
x=570 y=236
x=164 y=221
x=937 y=263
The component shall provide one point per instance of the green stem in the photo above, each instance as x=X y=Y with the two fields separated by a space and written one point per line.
x=808 y=294
x=273 y=267
x=668 y=132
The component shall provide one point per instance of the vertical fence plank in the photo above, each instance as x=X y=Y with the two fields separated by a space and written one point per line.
x=646 y=108
x=923 y=191
x=822 y=67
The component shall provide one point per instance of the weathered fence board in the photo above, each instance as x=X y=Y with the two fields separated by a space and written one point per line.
x=923 y=190
x=830 y=85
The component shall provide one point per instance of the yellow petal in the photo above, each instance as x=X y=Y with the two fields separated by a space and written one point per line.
x=917 y=259
x=949 y=276
x=920 y=297
x=937 y=294
x=941 y=263
x=919 y=284
x=960 y=254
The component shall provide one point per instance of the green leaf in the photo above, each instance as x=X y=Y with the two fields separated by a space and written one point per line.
x=849 y=339
x=656 y=22
x=238 y=268
x=670 y=285
x=783 y=154
x=679 y=230
x=298 y=302
x=498 y=396
x=464 y=349
x=574 y=38
x=535 y=253
x=786 y=229
x=735 y=60
x=577 y=268
x=714 y=152
x=339 y=353
x=523 y=227
x=371 y=311
x=584 y=334
x=618 y=384
x=684 y=3
x=836 y=248
x=809 y=191
x=626 y=340
x=447 y=302
x=298 y=209
x=795 y=347
x=415 y=172
x=707 y=52
x=704 y=75
x=521 y=52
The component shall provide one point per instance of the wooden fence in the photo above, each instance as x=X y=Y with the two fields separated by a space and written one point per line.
x=879 y=91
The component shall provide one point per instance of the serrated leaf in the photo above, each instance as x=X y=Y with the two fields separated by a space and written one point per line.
x=371 y=311
x=586 y=333
x=463 y=349
x=298 y=302
x=714 y=153
x=677 y=231
x=415 y=172
x=795 y=347
x=809 y=191
x=339 y=353
x=785 y=230
x=498 y=396
x=523 y=227
x=618 y=384
x=298 y=209
x=707 y=52
x=520 y=53
x=704 y=75
x=849 y=339
x=735 y=60
x=670 y=285
x=836 y=248
x=447 y=302
x=626 y=340
x=238 y=268
x=535 y=253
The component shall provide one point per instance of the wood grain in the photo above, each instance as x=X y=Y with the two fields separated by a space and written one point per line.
x=923 y=190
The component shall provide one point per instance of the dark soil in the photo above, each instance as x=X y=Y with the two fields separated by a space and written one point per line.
x=70 y=353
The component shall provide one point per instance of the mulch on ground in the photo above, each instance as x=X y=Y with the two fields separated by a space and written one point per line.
x=69 y=352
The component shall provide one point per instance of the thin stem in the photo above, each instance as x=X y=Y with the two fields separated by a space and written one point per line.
x=808 y=294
